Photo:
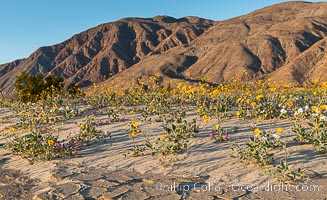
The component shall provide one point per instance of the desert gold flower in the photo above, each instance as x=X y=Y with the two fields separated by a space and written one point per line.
x=215 y=92
x=258 y=97
x=253 y=103
x=135 y=124
x=256 y=131
x=324 y=85
x=217 y=126
x=238 y=113
x=205 y=118
x=245 y=72
x=11 y=129
x=314 y=108
x=288 y=103
x=82 y=126
x=16 y=135
x=162 y=136
x=134 y=134
x=272 y=89
x=323 y=107
x=54 y=108
x=279 y=130
x=50 y=142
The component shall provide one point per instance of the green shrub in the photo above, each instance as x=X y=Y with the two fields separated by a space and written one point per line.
x=35 y=87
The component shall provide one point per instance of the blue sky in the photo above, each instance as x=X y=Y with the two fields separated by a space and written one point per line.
x=26 y=25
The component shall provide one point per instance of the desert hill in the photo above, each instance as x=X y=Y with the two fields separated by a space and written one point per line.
x=101 y=52
x=285 y=42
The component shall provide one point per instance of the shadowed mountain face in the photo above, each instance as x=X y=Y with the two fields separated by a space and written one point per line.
x=285 y=42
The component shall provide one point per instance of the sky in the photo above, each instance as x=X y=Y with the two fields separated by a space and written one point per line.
x=26 y=25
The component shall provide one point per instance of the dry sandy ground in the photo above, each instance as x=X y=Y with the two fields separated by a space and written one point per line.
x=205 y=170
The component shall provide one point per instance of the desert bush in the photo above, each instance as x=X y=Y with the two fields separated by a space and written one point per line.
x=35 y=87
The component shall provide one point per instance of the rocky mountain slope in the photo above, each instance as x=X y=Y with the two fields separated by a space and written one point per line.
x=285 y=42
x=101 y=52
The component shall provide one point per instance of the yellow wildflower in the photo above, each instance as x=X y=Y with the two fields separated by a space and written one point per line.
x=217 y=126
x=82 y=126
x=314 y=108
x=323 y=107
x=205 y=118
x=256 y=131
x=11 y=130
x=50 y=142
x=253 y=103
x=288 y=103
x=215 y=92
x=279 y=130
x=162 y=136
x=54 y=108
x=258 y=97
x=135 y=124
x=134 y=134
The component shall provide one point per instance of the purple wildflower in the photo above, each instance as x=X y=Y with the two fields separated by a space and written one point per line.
x=107 y=133
x=225 y=136
x=212 y=134
x=58 y=145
